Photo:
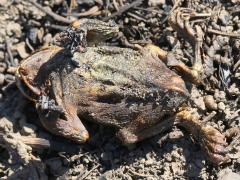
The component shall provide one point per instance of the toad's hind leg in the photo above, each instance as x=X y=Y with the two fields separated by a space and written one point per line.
x=190 y=74
x=210 y=139
x=141 y=129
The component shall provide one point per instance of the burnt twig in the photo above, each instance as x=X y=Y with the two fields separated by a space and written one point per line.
x=235 y=35
x=8 y=48
x=123 y=9
x=93 y=11
x=51 y=13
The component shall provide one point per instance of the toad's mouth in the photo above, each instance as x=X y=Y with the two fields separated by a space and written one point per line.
x=28 y=90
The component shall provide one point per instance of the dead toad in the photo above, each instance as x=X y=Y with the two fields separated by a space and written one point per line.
x=130 y=90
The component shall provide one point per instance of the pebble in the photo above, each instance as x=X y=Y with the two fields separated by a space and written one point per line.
x=3 y=67
x=9 y=78
x=210 y=102
x=156 y=2
x=221 y=106
x=6 y=124
x=1 y=78
x=3 y=2
x=21 y=49
x=28 y=129
x=149 y=162
x=32 y=35
x=47 y=39
x=14 y=29
x=224 y=17
x=1 y=56
x=12 y=70
x=219 y=95
x=227 y=174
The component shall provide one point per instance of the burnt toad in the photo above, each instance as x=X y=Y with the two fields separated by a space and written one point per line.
x=130 y=90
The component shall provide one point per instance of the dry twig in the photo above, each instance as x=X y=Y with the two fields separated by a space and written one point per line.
x=124 y=9
x=51 y=13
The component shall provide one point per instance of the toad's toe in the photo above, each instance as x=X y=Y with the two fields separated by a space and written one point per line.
x=214 y=144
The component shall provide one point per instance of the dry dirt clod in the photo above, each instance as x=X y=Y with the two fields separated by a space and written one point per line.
x=227 y=174
x=210 y=102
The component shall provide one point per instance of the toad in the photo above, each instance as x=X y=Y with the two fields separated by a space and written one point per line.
x=130 y=90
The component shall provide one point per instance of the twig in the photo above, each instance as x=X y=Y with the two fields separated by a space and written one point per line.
x=93 y=11
x=50 y=13
x=176 y=4
x=8 y=48
x=115 y=5
x=209 y=117
x=56 y=26
x=85 y=175
x=140 y=175
x=235 y=35
x=41 y=143
x=235 y=67
x=136 y=16
x=123 y=9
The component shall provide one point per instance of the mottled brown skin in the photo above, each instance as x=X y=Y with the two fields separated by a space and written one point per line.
x=132 y=91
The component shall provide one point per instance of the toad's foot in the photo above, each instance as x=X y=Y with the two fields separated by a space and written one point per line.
x=214 y=144
x=210 y=139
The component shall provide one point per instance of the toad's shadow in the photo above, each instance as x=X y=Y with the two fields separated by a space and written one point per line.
x=181 y=150
x=103 y=141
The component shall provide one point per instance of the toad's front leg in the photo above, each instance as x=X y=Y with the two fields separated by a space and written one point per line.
x=210 y=139
x=64 y=123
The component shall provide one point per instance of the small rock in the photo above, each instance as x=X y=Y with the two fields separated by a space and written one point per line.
x=12 y=70
x=47 y=39
x=168 y=157
x=221 y=106
x=210 y=102
x=227 y=174
x=149 y=162
x=176 y=168
x=6 y=125
x=197 y=98
x=173 y=42
x=14 y=29
x=156 y=2
x=224 y=17
x=219 y=95
x=9 y=78
x=3 y=67
x=1 y=56
x=40 y=35
x=233 y=90
x=20 y=47
x=1 y=79
x=28 y=129
x=3 y=2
